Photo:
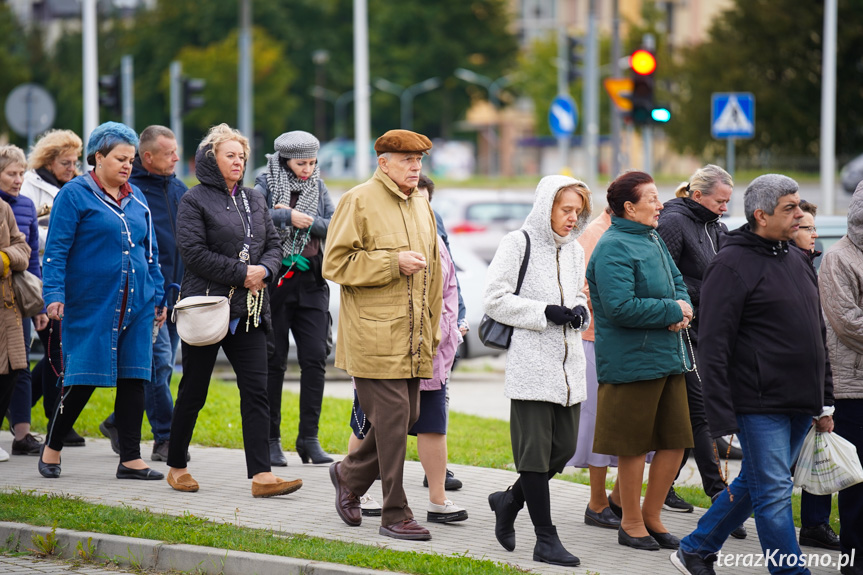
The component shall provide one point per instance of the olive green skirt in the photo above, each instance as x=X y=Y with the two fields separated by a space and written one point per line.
x=641 y=416
x=543 y=434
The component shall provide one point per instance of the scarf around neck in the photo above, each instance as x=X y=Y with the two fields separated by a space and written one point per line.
x=282 y=182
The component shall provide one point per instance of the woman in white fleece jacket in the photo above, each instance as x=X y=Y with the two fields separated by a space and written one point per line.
x=545 y=366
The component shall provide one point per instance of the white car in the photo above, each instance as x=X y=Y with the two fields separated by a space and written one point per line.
x=482 y=217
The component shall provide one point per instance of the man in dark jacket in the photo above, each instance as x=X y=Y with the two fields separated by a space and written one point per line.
x=765 y=387
x=153 y=173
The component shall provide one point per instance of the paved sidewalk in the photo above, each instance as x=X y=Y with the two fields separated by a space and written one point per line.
x=225 y=496
x=32 y=565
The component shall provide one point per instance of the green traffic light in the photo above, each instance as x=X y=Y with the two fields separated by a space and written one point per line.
x=660 y=115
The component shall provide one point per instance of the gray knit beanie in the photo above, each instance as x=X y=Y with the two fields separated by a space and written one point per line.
x=297 y=145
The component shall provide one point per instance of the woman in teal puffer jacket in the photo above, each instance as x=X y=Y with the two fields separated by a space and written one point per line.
x=641 y=309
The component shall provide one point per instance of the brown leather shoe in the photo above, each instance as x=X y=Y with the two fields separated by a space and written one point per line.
x=407 y=529
x=182 y=483
x=347 y=504
x=281 y=487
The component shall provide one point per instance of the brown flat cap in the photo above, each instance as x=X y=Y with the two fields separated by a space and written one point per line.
x=402 y=141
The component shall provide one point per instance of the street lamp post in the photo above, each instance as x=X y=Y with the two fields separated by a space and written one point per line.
x=320 y=59
x=494 y=87
x=406 y=96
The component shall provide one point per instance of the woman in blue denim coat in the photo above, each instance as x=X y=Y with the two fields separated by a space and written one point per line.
x=102 y=279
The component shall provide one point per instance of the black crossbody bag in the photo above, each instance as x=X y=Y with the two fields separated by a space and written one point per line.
x=498 y=335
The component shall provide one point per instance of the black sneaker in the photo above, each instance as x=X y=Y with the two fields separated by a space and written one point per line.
x=673 y=502
x=821 y=536
x=72 y=439
x=30 y=445
x=109 y=430
x=692 y=564
x=160 y=451
x=451 y=483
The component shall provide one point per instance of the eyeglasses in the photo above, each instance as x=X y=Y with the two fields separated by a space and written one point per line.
x=68 y=163
x=810 y=229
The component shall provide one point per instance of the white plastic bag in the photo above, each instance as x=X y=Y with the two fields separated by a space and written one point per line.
x=827 y=464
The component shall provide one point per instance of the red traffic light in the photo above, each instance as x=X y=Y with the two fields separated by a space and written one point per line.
x=642 y=62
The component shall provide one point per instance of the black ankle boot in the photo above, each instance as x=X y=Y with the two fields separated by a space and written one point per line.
x=310 y=448
x=505 y=511
x=550 y=550
x=277 y=458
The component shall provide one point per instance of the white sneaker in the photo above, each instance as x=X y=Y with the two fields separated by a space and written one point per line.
x=4 y=456
x=446 y=513
x=369 y=507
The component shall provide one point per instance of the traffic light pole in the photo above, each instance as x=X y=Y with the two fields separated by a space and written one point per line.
x=591 y=97
x=616 y=123
x=177 y=113
x=647 y=139
x=562 y=88
x=127 y=79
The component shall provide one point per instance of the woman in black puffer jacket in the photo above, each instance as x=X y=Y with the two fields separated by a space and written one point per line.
x=230 y=247
x=690 y=226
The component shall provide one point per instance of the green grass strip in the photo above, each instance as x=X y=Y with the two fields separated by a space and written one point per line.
x=73 y=513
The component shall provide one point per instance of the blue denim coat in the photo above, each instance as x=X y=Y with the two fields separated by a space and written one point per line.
x=94 y=248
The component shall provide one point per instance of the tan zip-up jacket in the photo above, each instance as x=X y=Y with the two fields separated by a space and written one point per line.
x=372 y=223
x=13 y=355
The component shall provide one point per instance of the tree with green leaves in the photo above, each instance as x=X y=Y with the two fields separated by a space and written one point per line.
x=771 y=48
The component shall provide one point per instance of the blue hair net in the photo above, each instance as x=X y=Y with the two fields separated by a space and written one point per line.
x=109 y=135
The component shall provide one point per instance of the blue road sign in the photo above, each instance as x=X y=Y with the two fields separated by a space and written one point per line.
x=732 y=115
x=563 y=116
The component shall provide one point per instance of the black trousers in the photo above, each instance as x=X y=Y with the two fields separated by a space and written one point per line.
x=247 y=352
x=128 y=415
x=848 y=421
x=705 y=458
x=299 y=306
x=7 y=384
x=43 y=379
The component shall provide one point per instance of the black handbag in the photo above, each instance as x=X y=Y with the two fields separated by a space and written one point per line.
x=498 y=335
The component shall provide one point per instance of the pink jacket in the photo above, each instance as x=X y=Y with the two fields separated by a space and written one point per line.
x=450 y=336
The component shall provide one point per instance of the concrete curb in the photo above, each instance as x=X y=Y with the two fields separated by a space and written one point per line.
x=163 y=557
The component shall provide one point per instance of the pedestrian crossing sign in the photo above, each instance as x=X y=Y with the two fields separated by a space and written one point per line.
x=732 y=115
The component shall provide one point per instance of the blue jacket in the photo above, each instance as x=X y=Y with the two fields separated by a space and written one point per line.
x=25 y=216
x=634 y=286
x=163 y=195
x=94 y=250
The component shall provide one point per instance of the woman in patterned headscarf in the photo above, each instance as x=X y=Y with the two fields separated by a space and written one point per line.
x=301 y=209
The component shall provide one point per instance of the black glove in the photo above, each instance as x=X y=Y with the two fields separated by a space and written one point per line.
x=580 y=313
x=558 y=314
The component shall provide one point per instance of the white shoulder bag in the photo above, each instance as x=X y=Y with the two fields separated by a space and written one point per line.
x=203 y=319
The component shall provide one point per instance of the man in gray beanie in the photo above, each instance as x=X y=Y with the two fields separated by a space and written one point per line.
x=301 y=208
x=767 y=388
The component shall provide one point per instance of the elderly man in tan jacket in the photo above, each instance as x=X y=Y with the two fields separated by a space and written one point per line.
x=382 y=249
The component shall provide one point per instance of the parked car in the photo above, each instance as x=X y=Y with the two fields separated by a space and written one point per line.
x=482 y=217
x=852 y=174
